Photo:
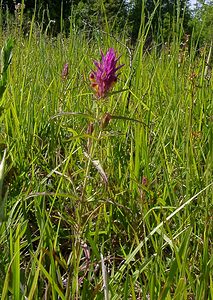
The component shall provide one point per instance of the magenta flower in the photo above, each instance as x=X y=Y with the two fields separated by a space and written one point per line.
x=104 y=77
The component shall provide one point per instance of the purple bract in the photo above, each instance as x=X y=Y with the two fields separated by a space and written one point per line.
x=65 y=71
x=104 y=77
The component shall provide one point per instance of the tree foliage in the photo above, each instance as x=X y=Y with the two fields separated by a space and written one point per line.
x=161 y=16
x=203 y=21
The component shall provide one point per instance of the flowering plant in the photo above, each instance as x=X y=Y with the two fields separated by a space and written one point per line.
x=104 y=77
x=65 y=71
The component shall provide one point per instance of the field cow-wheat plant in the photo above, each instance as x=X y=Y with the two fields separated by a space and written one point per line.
x=106 y=167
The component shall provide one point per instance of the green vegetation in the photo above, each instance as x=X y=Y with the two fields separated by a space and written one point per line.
x=203 y=21
x=91 y=15
x=123 y=211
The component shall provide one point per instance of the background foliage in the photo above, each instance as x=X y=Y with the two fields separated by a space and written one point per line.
x=91 y=15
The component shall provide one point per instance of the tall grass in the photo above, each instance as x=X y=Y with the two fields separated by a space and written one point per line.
x=130 y=217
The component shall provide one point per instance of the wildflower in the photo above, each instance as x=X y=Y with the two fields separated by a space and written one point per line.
x=19 y=6
x=144 y=181
x=104 y=77
x=192 y=76
x=105 y=120
x=65 y=72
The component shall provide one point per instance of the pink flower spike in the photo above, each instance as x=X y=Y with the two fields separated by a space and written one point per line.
x=104 y=77
x=65 y=71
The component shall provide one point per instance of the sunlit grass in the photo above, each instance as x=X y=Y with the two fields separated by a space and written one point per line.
x=151 y=219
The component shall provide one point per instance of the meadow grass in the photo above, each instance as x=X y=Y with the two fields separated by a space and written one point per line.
x=123 y=212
